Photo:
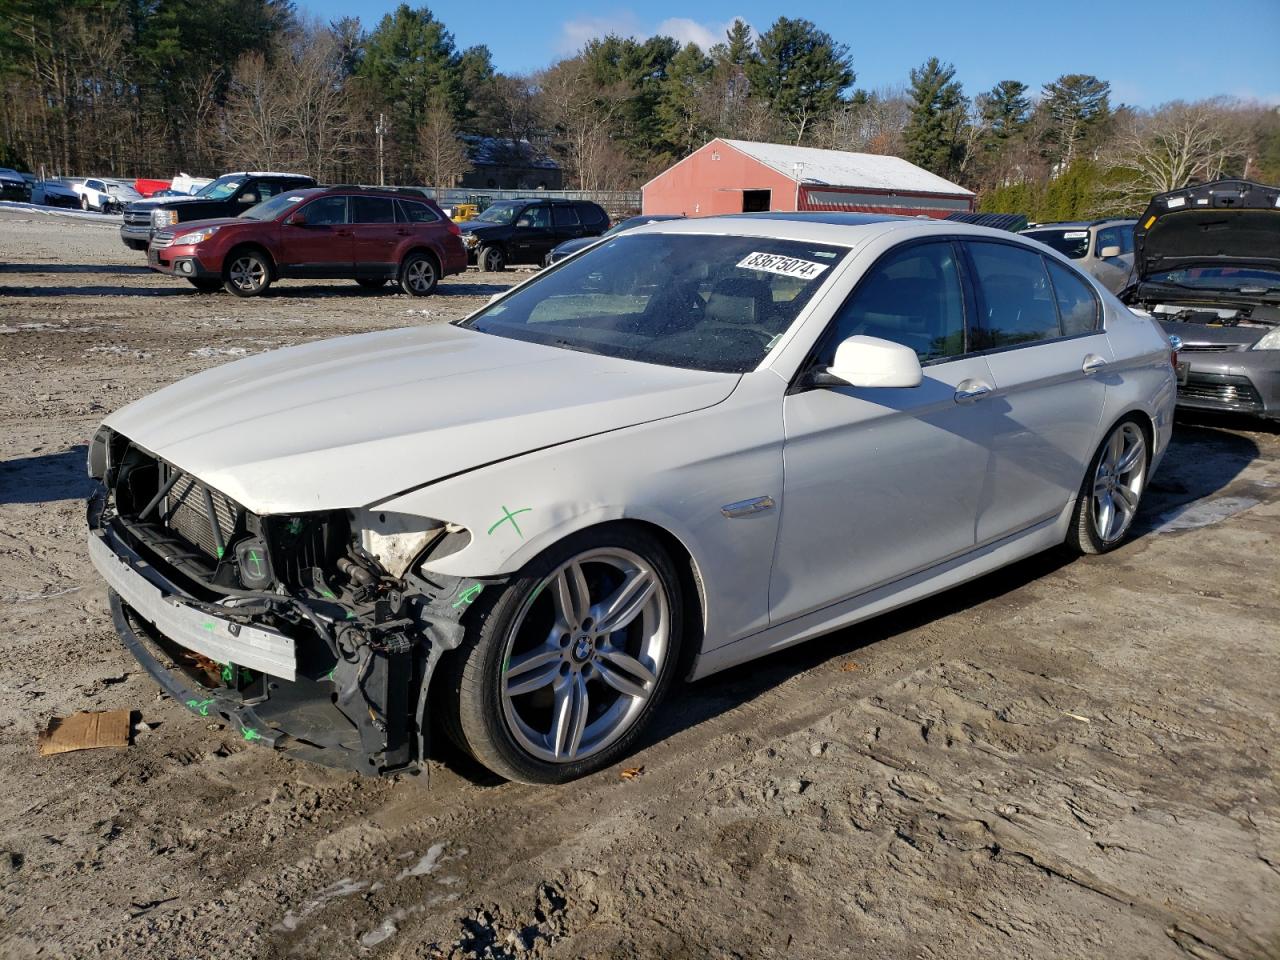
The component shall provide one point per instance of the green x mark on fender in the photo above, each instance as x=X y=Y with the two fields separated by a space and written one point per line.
x=466 y=597
x=511 y=515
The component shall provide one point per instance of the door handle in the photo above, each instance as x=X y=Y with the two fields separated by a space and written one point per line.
x=1092 y=363
x=970 y=391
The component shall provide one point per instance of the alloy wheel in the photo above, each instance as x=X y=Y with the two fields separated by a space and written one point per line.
x=1118 y=481
x=584 y=655
x=420 y=275
x=247 y=273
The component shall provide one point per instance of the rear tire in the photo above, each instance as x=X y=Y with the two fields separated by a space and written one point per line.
x=84 y=203
x=538 y=691
x=492 y=259
x=419 y=275
x=247 y=274
x=205 y=284
x=1112 y=490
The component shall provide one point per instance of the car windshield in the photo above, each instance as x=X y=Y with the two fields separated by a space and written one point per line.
x=502 y=213
x=682 y=300
x=220 y=189
x=1218 y=278
x=1069 y=243
x=270 y=209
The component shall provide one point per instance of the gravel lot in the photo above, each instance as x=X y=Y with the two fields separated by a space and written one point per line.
x=1065 y=759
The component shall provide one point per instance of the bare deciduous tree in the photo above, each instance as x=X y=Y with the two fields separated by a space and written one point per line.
x=442 y=159
x=583 y=112
x=1164 y=149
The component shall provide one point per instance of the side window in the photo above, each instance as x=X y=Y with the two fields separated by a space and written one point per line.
x=911 y=296
x=564 y=216
x=268 y=188
x=1076 y=302
x=95 y=185
x=409 y=211
x=372 y=210
x=1017 y=303
x=1109 y=237
x=592 y=215
x=539 y=216
x=327 y=211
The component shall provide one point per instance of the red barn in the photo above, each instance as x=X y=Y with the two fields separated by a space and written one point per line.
x=737 y=176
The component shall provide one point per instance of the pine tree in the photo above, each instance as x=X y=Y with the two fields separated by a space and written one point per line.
x=1074 y=104
x=937 y=115
x=801 y=72
x=1005 y=108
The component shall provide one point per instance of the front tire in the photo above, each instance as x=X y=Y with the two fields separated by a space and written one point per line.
x=248 y=274
x=563 y=668
x=1112 y=489
x=492 y=259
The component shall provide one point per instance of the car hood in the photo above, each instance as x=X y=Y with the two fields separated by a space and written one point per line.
x=479 y=228
x=349 y=422
x=152 y=203
x=186 y=226
x=573 y=246
x=1227 y=223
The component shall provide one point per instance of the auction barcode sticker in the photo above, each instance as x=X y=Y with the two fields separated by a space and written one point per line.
x=786 y=266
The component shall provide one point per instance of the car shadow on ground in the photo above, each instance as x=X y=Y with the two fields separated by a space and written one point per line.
x=109 y=268
x=1202 y=459
x=45 y=478
x=1205 y=455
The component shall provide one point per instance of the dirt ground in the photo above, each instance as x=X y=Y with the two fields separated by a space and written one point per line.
x=1065 y=759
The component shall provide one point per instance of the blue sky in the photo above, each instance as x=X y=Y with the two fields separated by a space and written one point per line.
x=1151 y=51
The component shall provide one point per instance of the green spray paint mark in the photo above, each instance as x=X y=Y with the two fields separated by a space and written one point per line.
x=200 y=706
x=251 y=734
x=254 y=560
x=328 y=594
x=221 y=551
x=329 y=676
x=228 y=674
x=466 y=597
x=511 y=515
x=209 y=625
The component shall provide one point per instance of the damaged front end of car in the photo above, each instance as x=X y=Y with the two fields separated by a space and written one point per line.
x=316 y=634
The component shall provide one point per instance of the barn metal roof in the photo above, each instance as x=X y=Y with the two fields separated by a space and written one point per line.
x=1013 y=222
x=841 y=168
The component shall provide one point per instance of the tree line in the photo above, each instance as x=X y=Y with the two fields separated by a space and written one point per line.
x=147 y=87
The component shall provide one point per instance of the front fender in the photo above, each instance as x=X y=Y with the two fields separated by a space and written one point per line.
x=675 y=473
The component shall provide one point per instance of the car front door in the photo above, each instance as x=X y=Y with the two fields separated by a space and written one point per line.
x=1039 y=322
x=883 y=482
x=315 y=240
x=375 y=236
x=532 y=235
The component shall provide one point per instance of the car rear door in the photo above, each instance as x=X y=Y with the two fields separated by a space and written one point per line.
x=1039 y=322
x=315 y=241
x=564 y=219
x=883 y=482
x=375 y=235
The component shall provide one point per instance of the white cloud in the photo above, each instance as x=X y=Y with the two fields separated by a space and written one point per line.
x=575 y=33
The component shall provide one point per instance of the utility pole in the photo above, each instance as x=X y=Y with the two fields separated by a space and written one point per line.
x=381 y=129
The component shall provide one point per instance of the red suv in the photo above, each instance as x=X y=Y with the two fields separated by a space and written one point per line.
x=368 y=235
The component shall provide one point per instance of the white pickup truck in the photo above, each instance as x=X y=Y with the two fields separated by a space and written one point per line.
x=105 y=196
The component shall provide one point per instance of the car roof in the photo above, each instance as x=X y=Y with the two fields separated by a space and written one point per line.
x=266 y=173
x=841 y=229
x=1078 y=224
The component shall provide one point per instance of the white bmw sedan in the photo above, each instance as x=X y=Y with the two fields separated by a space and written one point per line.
x=692 y=444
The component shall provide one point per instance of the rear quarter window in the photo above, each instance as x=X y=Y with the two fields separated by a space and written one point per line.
x=1077 y=304
x=411 y=211
x=592 y=215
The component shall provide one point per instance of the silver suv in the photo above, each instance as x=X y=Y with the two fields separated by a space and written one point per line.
x=1103 y=248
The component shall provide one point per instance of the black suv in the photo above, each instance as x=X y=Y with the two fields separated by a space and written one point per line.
x=228 y=196
x=525 y=231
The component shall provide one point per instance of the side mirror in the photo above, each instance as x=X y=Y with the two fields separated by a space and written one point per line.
x=1106 y=253
x=872 y=362
x=297 y=220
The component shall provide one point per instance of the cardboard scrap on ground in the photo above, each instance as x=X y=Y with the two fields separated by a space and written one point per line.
x=84 y=731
